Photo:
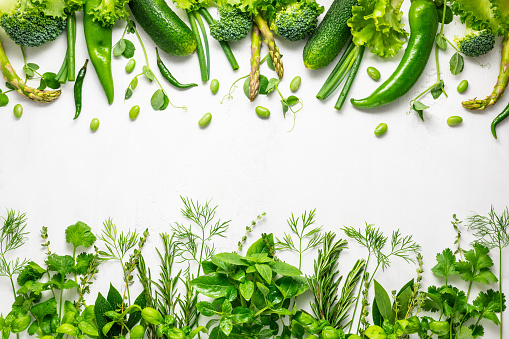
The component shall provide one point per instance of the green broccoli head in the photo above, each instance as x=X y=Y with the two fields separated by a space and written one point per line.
x=233 y=24
x=297 y=20
x=29 y=26
x=475 y=43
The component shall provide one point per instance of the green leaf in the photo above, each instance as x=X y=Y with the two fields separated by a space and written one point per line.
x=206 y=308
x=197 y=330
x=31 y=272
x=88 y=313
x=28 y=71
x=291 y=101
x=129 y=49
x=48 y=307
x=42 y=84
x=231 y=258
x=383 y=302
x=9 y=86
x=70 y=284
x=114 y=297
x=262 y=245
x=4 y=99
x=265 y=272
x=403 y=299
x=437 y=90
x=288 y=286
x=148 y=73
x=208 y=267
x=285 y=108
x=157 y=100
x=226 y=307
x=62 y=264
x=264 y=82
x=128 y=93
x=119 y=47
x=448 y=14
x=231 y=293
x=440 y=41
x=88 y=328
x=211 y=286
x=106 y=329
x=285 y=269
x=476 y=266
x=456 y=64
x=102 y=306
x=270 y=64
x=226 y=326
x=83 y=262
x=273 y=82
x=245 y=87
x=240 y=276
x=135 y=317
x=465 y=333
x=446 y=264
x=377 y=317
x=419 y=107
x=67 y=329
x=20 y=324
x=242 y=315
x=79 y=234
x=247 y=289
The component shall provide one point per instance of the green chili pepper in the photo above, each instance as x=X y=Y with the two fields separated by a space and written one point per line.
x=99 y=42
x=78 y=84
x=423 y=21
x=168 y=76
x=504 y=114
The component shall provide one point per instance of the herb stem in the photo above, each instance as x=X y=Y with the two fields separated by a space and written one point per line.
x=500 y=288
x=359 y=295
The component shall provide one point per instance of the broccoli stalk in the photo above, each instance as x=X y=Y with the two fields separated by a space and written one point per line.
x=254 y=76
x=500 y=86
x=271 y=43
x=19 y=85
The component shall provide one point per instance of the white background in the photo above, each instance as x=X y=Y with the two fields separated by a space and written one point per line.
x=413 y=178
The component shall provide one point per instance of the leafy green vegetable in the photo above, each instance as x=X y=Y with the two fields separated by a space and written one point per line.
x=80 y=234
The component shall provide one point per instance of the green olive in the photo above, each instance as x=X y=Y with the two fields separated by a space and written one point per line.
x=454 y=120
x=134 y=111
x=381 y=129
x=462 y=86
x=94 y=124
x=295 y=84
x=373 y=73
x=130 y=65
x=262 y=112
x=214 y=86
x=18 y=111
x=205 y=120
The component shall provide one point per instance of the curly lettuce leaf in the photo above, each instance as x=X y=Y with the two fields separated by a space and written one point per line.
x=484 y=14
x=255 y=6
x=377 y=23
x=107 y=12
x=192 y=5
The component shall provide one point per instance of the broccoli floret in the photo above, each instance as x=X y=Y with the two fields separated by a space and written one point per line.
x=475 y=43
x=30 y=26
x=233 y=25
x=297 y=20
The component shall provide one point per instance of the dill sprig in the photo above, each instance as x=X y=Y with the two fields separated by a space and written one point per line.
x=324 y=284
x=12 y=236
x=491 y=231
x=249 y=229
x=314 y=236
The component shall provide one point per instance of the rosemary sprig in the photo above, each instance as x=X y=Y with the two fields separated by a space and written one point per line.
x=491 y=231
x=314 y=236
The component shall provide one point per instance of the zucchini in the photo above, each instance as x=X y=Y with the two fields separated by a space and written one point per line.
x=163 y=26
x=330 y=36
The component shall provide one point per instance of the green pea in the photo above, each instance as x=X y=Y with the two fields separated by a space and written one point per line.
x=205 y=120
x=133 y=112
x=130 y=65
x=214 y=86
x=295 y=84
x=454 y=120
x=94 y=124
x=373 y=73
x=262 y=112
x=18 y=111
x=462 y=86
x=381 y=129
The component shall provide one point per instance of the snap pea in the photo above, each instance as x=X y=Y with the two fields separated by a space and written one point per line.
x=381 y=129
x=165 y=72
x=134 y=111
x=295 y=84
x=94 y=124
x=214 y=86
x=462 y=86
x=18 y=111
x=373 y=73
x=78 y=85
x=454 y=120
x=205 y=120
x=262 y=112
x=130 y=65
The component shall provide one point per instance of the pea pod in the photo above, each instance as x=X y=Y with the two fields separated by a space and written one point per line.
x=423 y=21
x=99 y=42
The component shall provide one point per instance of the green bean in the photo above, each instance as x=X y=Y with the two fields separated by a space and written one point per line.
x=295 y=84
x=262 y=112
x=130 y=65
x=454 y=120
x=373 y=73
x=381 y=129
x=205 y=120
x=463 y=85
x=18 y=111
x=214 y=86
x=134 y=111
x=94 y=124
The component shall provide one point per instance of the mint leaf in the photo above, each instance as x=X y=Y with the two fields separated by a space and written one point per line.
x=79 y=234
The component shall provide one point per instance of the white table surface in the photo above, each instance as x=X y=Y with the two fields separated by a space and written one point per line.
x=413 y=178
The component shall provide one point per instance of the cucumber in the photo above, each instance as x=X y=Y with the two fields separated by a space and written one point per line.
x=167 y=30
x=330 y=36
